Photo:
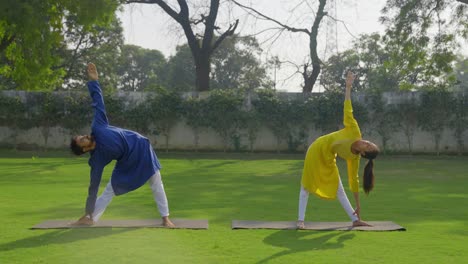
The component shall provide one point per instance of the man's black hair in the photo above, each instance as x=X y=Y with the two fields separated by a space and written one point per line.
x=77 y=150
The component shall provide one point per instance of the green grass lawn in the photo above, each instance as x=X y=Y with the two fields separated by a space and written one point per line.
x=427 y=195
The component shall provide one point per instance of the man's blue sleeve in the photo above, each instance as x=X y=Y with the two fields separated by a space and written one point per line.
x=98 y=103
x=97 y=163
x=95 y=180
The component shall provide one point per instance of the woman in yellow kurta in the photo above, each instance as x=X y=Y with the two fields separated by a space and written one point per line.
x=320 y=175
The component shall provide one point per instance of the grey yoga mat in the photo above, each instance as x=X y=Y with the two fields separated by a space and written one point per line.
x=376 y=225
x=179 y=223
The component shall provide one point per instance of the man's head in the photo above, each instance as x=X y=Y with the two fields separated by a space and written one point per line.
x=82 y=144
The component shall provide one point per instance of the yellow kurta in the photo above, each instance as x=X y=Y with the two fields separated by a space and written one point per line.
x=320 y=174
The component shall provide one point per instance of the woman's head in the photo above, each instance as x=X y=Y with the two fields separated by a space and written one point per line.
x=367 y=150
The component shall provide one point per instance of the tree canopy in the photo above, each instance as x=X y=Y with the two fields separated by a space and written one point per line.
x=30 y=32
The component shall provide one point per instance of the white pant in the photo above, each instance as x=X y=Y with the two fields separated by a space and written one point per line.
x=156 y=187
x=340 y=193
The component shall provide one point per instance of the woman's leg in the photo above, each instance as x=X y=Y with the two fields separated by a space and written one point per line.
x=303 y=199
x=103 y=201
x=340 y=193
x=159 y=194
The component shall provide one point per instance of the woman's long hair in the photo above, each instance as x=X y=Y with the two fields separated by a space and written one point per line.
x=368 y=183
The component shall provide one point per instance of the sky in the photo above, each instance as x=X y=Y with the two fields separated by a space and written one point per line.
x=149 y=27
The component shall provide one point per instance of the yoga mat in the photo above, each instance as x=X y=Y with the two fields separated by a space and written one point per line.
x=179 y=223
x=347 y=226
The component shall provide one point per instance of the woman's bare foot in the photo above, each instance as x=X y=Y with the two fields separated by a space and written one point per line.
x=167 y=222
x=300 y=225
x=360 y=223
x=92 y=72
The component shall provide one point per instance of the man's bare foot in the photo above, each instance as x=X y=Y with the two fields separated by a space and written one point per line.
x=92 y=72
x=167 y=222
x=360 y=223
x=300 y=225
x=83 y=221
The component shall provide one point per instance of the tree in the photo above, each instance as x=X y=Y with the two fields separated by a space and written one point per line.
x=271 y=111
x=194 y=111
x=309 y=75
x=115 y=106
x=459 y=119
x=30 y=31
x=164 y=110
x=138 y=117
x=461 y=73
x=416 y=17
x=236 y=64
x=420 y=40
x=328 y=109
x=252 y=126
x=225 y=116
x=382 y=118
x=368 y=60
x=407 y=116
x=334 y=70
x=46 y=113
x=99 y=43
x=13 y=115
x=301 y=117
x=140 y=69
x=180 y=73
x=77 y=113
x=203 y=44
x=434 y=114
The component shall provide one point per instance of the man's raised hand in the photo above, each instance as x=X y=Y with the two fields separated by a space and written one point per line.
x=92 y=72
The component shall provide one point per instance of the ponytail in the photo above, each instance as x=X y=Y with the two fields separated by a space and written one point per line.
x=368 y=183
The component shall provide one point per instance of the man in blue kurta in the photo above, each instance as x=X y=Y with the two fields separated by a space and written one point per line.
x=136 y=162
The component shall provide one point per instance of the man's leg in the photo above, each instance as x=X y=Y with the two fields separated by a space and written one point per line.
x=103 y=201
x=160 y=198
x=303 y=199
x=340 y=193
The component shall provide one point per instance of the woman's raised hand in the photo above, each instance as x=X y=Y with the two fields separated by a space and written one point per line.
x=350 y=79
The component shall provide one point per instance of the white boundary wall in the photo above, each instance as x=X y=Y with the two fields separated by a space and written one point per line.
x=182 y=138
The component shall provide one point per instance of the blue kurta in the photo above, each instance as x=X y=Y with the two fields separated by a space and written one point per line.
x=136 y=160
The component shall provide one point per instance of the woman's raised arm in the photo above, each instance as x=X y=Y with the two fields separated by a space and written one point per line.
x=349 y=84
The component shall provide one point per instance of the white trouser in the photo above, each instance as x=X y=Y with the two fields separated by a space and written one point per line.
x=156 y=187
x=340 y=193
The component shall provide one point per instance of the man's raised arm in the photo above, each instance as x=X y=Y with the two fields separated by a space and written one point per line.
x=95 y=92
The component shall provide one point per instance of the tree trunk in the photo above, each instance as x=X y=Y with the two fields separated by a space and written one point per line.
x=202 y=68
x=309 y=81
x=15 y=133
x=384 y=144
x=166 y=135
x=437 y=138
x=202 y=47
x=409 y=138
x=196 y=137
x=278 y=142
x=45 y=134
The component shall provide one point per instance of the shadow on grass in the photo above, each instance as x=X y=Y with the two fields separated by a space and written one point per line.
x=59 y=211
x=63 y=236
x=296 y=242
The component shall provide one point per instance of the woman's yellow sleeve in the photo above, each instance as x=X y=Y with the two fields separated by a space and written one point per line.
x=348 y=118
x=353 y=177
